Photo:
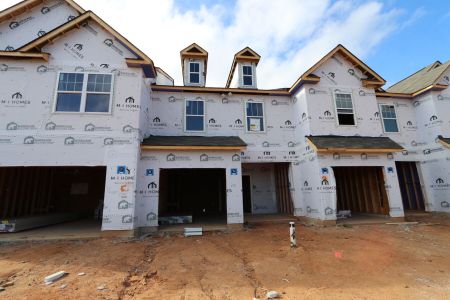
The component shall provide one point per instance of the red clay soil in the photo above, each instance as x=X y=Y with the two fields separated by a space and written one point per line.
x=359 y=262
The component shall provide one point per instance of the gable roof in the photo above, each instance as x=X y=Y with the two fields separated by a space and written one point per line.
x=245 y=55
x=422 y=79
x=21 y=7
x=193 y=50
x=142 y=61
x=373 y=79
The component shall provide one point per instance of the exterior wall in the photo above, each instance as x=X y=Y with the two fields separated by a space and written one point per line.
x=186 y=62
x=338 y=75
x=262 y=185
x=32 y=134
x=151 y=162
x=26 y=27
x=420 y=121
x=275 y=144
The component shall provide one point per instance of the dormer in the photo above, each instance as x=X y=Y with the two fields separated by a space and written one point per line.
x=243 y=69
x=194 y=62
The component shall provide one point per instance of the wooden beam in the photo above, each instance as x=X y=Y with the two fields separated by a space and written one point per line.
x=188 y=148
x=444 y=143
x=349 y=150
x=26 y=5
x=24 y=55
x=170 y=88
x=393 y=95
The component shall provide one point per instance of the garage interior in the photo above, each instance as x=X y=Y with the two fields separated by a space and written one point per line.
x=192 y=196
x=361 y=190
x=32 y=197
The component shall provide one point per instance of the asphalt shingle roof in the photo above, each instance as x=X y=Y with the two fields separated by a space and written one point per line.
x=421 y=79
x=226 y=141
x=324 y=142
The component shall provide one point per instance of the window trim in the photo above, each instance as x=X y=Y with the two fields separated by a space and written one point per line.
x=199 y=72
x=185 y=116
x=84 y=93
x=263 y=116
x=382 y=119
x=353 y=108
x=252 y=76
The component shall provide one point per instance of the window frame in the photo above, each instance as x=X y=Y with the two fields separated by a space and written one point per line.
x=84 y=93
x=186 y=115
x=199 y=72
x=382 y=118
x=355 y=119
x=252 y=75
x=263 y=116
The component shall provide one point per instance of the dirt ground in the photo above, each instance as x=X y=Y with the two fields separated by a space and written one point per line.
x=358 y=262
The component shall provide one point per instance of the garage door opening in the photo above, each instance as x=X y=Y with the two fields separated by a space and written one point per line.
x=32 y=197
x=361 y=190
x=192 y=196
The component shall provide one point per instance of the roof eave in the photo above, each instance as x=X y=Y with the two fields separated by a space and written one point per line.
x=23 y=6
x=24 y=55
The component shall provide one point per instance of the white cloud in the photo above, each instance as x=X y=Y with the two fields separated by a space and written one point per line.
x=290 y=35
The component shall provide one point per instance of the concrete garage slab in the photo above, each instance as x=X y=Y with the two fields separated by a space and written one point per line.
x=76 y=230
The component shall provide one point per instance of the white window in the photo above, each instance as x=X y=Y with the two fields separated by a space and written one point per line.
x=344 y=109
x=194 y=72
x=247 y=75
x=83 y=92
x=389 y=118
x=255 y=116
x=195 y=115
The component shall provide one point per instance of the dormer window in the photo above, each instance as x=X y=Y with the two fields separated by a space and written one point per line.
x=194 y=72
x=247 y=75
x=194 y=62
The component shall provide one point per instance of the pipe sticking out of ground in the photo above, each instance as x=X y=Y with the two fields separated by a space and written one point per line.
x=292 y=234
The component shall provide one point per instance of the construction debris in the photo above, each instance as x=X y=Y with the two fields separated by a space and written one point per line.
x=273 y=295
x=193 y=231
x=9 y=283
x=344 y=214
x=54 y=277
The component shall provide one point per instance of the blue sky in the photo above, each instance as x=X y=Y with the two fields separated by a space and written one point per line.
x=394 y=37
x=423 y=37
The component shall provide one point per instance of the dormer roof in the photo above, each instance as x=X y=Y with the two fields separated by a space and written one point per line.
x=373 y=79
x=193 y=51
x=26 y=5
x=245 y=55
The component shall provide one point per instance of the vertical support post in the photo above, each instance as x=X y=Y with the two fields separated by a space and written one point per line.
x=292 y=233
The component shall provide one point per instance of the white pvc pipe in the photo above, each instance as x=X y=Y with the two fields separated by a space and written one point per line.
x=292 y=234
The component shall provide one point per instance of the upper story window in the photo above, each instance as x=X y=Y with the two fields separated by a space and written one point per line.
x=389 y=118
x=255 y=116
x=195 y=115
x=344 y=109
x=82 y=92
x=194 y=72
x=247 y=75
